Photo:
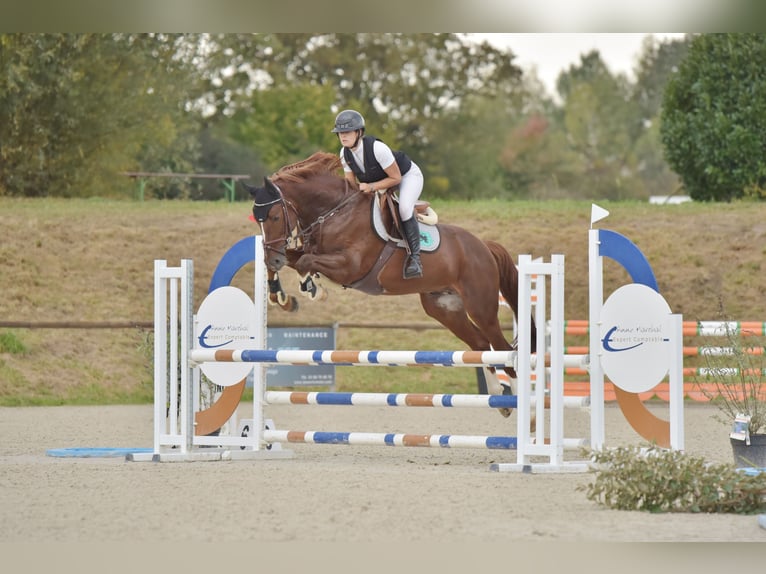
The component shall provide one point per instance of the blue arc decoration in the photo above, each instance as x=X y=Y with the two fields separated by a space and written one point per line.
x=238 y=255
x=622 y=250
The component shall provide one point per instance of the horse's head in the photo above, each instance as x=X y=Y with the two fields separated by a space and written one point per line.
x=270 y=211
x=294 y=203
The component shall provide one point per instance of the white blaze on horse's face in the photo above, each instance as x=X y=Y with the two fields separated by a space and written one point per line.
x=275 y=255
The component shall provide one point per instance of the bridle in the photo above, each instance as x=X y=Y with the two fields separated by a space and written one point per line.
x=291 y=235
x=296 y=237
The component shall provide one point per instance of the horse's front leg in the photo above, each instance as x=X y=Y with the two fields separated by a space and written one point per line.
x=337 y=267
x=311 y=288
x=277 y=295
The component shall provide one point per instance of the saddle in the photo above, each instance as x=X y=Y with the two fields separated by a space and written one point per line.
x=425 y=215
x=423 y=211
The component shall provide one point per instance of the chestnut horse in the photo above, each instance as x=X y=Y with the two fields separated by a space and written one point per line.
x=314 y=221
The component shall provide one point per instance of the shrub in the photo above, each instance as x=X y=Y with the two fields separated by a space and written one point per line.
x=659 y=480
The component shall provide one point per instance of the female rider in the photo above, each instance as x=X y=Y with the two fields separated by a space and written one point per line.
x=371 y=162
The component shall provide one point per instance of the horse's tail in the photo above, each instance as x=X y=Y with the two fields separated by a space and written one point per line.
x=509 y=283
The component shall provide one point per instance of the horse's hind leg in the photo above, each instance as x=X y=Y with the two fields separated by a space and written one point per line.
x=311 y=288
x=480 y=310
x=447 y=308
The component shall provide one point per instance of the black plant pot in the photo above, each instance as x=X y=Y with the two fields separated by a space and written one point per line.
x=752 y=455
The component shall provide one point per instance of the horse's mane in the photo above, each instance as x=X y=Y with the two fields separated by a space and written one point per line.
x=317 y=164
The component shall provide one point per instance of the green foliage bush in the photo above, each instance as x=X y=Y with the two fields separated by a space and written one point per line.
x=714 y=117
x=659 y=480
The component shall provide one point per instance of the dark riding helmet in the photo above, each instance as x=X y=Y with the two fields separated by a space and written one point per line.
x=348 y=121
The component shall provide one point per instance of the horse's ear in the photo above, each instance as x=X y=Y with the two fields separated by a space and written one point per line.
x=263 y=198
x=250 y=188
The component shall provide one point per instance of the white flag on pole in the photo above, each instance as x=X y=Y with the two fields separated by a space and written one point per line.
x=597 y=213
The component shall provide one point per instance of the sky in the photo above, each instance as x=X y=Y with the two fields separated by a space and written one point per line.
x=551 y=53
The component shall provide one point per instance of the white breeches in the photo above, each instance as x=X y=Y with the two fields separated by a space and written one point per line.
x=409 y=191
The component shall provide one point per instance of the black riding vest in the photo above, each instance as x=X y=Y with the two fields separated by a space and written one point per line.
x=374 y=171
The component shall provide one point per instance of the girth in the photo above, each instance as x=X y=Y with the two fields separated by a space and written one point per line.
x=369 y=283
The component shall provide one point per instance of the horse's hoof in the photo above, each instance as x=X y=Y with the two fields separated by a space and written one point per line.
x=505 y=412
x=290 y=305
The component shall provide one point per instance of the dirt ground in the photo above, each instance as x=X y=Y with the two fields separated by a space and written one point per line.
x=325 y=494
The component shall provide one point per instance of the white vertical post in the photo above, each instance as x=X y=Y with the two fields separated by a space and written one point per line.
x=172 y=353
x=196 y=380
x=595 y=303
x=260 y=299
x=523 y=361
x=160 y=351
x=676 y=382
x=187 y=396
x=540 y=307
x=557 y=360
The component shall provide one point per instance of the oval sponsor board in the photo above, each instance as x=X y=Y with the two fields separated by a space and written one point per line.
x=634 y=346
x=225 y=320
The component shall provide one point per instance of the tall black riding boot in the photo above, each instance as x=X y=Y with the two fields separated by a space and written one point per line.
x=412 y=266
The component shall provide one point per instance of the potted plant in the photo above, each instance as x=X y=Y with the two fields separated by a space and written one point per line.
x=734 y=380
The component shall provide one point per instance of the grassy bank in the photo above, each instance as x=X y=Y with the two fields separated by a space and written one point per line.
x=91 y=260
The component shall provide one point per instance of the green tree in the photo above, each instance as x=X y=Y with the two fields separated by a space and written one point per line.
x=221 y=153
x=714 y=117
x=80 y=108
x=656 y=176
x=601 y=125
x=658 y=62
x=537 y=159
x=465 y=146
x=602 y=140
x=287 y=124
x=404 y=84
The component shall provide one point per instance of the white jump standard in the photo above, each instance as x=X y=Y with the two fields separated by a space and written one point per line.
x=175 y=437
